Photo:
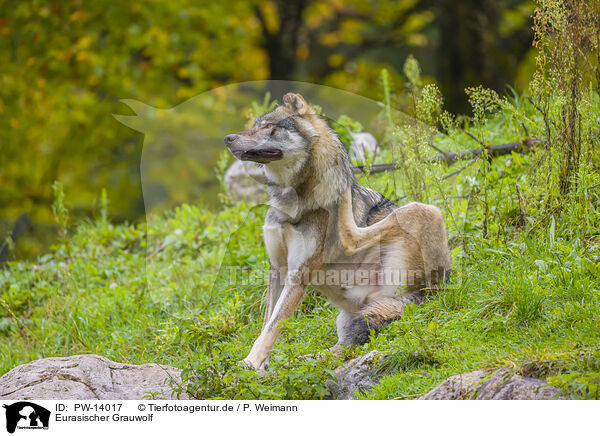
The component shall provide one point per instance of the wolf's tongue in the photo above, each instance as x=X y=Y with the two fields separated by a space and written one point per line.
x=271 y=153
x=268 y=153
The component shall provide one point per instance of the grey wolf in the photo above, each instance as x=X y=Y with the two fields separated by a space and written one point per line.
x=373 y=257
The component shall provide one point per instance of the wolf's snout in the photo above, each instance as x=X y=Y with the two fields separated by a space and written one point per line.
x=229 y=139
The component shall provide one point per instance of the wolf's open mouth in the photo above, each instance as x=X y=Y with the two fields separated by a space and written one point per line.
x=265 y=154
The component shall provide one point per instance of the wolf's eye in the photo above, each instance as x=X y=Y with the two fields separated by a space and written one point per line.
x=273 y=129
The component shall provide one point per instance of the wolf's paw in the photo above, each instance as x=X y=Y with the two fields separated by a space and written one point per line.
x=338 y=346
x=256 y=366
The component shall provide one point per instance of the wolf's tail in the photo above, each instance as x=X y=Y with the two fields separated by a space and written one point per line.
x=374 y=317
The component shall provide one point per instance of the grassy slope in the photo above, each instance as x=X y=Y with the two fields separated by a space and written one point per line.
x=524 y=297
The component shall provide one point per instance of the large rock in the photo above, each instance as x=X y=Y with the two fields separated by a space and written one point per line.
x=354 y=376
x=363 y=144
x=88 y=377
x=503 y=384
x=246 y=182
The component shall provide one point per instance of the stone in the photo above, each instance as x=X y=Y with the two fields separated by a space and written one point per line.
x=503 y=384
x=246 y=182
x=89 y=377
x=354 y=376
x=363 y=144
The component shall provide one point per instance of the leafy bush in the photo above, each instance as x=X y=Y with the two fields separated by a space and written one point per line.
x=577 y=385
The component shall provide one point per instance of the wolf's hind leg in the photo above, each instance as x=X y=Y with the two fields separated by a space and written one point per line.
x=340 y=322
x=376 y=315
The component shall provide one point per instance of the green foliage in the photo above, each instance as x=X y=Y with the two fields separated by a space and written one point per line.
x=215 y=372
x=565 y=90
x=483 y=102
x=429 y=104
x=578 y=386
x=412 y=71
x=345 y=127
x=262 y=108
x=66 y=66
x=61 y=214
x=222 y=165
x=104 y=207
x=410 y=139
x=385 y=83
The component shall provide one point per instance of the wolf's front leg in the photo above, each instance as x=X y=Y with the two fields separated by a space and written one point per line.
x=274 y=288
x=291 y=296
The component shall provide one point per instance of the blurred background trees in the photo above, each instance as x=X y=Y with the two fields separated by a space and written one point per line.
x=65 y=66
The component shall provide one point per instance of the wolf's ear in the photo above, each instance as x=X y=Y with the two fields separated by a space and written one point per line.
x=296 y=103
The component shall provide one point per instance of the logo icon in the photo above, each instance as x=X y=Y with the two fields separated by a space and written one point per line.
x=26 y=415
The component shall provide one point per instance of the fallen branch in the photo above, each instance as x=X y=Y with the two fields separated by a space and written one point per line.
x=450 y=157
x=460 y=170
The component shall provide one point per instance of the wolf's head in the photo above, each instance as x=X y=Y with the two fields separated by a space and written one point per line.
x=284 y=134
x=305 y=164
